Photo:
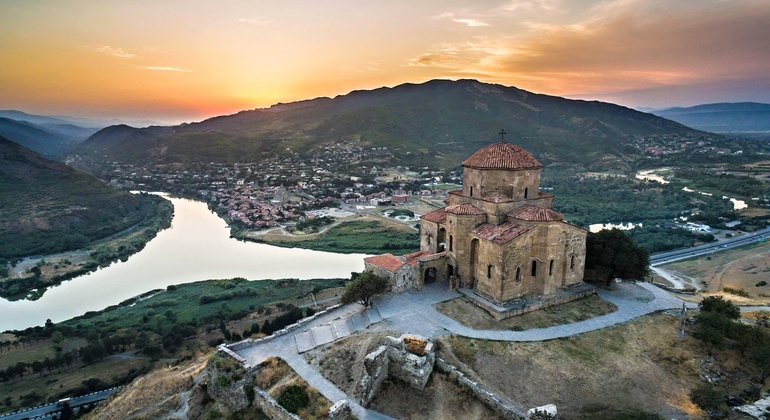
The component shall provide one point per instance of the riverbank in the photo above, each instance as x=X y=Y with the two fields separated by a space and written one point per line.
x=32 y=276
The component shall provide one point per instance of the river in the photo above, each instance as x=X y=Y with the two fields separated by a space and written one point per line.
x=196 y=247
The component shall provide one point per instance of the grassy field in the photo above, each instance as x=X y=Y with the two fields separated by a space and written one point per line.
x=368 y=236
x=202 y=302
x=640 y=365
x=739 y=268
x=470 y=315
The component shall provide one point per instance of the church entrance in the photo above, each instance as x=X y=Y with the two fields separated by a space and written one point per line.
x=429 y=276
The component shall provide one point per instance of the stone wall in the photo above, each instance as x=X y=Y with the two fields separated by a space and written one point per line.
x=410 y=358
x=504 y=310
x=231 y=349
x=376 y=366
x=270 y=406
x=414 y=369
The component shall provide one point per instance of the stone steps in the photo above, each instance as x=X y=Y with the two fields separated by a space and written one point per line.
x=339 y=328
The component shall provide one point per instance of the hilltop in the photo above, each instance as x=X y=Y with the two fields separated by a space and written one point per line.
x=437 y=122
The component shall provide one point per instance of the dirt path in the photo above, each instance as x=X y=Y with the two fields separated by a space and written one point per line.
x=677 y=279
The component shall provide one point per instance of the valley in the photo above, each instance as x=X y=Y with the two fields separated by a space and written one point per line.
x=352 y=175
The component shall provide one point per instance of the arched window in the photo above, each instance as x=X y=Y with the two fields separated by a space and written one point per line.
x=534 y=268
x=450 y=242
x=489 y=271
x=550 y=268
x=526 y=192
x=572 y=262
x=518 y=274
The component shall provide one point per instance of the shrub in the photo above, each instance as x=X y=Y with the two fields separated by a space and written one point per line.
x=293 y=398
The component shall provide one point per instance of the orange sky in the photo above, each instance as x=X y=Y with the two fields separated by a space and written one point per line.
x=175 y=60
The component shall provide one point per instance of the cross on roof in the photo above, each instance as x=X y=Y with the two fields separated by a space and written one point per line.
x=502 y=134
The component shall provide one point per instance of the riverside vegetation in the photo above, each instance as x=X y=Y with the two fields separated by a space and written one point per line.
x=113 y=346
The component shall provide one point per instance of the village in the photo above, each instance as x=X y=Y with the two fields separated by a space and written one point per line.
x=290 y=188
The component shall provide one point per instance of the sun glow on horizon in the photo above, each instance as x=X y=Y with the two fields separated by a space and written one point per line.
x=192 y=59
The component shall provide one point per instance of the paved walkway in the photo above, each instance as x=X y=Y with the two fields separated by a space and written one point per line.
x=413 y=312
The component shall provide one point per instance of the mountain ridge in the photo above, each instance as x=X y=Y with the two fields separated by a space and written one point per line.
x=723 y=117
x=415 y=121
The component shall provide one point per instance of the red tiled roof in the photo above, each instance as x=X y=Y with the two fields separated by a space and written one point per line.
x=502 y=156
x=464 y=209
x=436 y=216
x=387 y=261
x=532 y=213
x=500 y=234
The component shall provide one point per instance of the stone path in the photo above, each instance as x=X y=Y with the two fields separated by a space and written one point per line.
x=413 y=312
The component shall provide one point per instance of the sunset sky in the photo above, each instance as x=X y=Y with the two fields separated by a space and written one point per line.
x=185 y=60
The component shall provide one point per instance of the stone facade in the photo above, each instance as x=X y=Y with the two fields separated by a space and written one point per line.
x=497 y=236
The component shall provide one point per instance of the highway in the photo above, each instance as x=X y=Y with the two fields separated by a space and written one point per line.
x=48 y=410
x=680 y=254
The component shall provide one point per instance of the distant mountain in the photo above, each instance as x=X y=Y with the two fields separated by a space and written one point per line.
x=77 y=121
x=47 y=138
x=47 y=206
x=741 y=117
x=438 y=122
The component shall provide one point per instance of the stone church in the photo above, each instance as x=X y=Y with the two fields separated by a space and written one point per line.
x=497 y=239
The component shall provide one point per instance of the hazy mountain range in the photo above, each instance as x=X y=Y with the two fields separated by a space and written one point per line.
x=733 y=118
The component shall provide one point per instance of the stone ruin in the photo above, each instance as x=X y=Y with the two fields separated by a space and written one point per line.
x=409 y=358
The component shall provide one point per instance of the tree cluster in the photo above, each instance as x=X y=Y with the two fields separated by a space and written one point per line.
x=718 y=328
x=611 y=253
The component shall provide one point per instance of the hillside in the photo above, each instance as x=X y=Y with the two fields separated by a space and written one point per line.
x=50 y=140
x=743 y=117
x=46 y=206
x=438 y=122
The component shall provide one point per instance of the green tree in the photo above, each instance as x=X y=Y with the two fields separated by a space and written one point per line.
x=614 y=254
x=365 y=286
x=718 y=305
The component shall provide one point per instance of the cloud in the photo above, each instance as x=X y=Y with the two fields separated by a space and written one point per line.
x=471 y=22
x=166 y=68
x=465 y=21
x=619 y=46
x=261 y=21
x=515 y=5
x=115 y=52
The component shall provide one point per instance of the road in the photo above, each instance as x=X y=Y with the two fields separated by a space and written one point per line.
x=47 y=411
x=745 y=239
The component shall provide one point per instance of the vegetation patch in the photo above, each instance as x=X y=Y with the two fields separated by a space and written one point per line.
x=357 y=236
x=119 y=343
x=291 y=391
x=470 y=315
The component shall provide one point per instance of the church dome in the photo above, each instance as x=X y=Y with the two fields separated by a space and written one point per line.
x=502 y=156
